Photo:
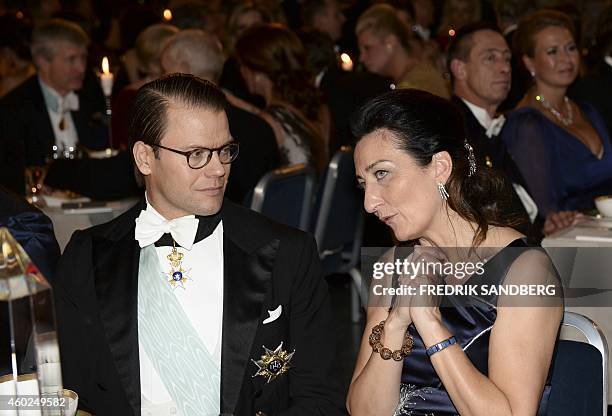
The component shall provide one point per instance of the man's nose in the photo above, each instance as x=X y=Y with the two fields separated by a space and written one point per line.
x=214 y=167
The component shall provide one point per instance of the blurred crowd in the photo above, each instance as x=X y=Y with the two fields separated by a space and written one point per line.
x=531 y=78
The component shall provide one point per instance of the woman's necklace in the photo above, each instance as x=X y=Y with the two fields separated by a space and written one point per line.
x=565 y=120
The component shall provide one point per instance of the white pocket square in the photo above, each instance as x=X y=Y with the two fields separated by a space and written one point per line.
x=273 y=315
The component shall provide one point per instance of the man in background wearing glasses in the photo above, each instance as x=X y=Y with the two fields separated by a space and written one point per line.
x=189 y=304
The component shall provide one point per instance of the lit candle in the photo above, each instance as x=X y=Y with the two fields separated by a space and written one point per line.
x=106 y=78
x=347 y=62
x=167 y=15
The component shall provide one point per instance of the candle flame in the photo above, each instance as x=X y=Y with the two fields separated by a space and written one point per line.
x=167 y=14
x=345 y=58
x=105 y=68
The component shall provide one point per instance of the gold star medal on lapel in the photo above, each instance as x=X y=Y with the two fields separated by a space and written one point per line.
x=177 y=274
x=273 y=363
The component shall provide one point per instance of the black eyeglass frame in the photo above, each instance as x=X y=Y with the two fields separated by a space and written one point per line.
x=216 y=149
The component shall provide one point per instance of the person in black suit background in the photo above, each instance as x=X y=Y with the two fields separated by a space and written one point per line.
x=143 y=320
x=195 y=52
x=592 y=88
x=48 y=109
x=479 y=62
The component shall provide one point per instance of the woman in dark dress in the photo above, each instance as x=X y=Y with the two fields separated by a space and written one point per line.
x=482 y=354
x=562 y=146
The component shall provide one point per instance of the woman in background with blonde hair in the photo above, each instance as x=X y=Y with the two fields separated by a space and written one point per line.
x=385 y=48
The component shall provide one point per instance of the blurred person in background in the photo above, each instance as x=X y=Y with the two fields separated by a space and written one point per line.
x=273 y=64
x=198 y=53
x=324 y=16
x=242 y=16
x=49 y=110
x=15 y=60
x=149 y=45
x=508 y=13
x=479 y=63
x=385 y=49
x=424 y=13
x=592 y=88
x=455 y=15
x=562 y=146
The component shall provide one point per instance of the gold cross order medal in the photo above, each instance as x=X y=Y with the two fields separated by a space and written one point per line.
x=177 y=274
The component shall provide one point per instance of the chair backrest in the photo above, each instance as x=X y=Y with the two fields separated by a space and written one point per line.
x=339 y=223
x=580 y=371
x=286 y=195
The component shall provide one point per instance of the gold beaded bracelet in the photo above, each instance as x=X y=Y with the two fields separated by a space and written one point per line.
x=386 y=353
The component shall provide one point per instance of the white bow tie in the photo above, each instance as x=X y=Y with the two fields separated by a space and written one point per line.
x=495 y=127
x=150 y=227
x=70 y=102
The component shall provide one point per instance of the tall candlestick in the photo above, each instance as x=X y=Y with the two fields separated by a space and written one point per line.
x=106 y=80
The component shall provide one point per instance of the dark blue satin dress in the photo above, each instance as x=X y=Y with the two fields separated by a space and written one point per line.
x=562 y=173
x=471 y=321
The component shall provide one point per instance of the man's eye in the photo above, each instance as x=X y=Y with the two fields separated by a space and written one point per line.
x=379 y=174
x=197 y=154
x=551 y=51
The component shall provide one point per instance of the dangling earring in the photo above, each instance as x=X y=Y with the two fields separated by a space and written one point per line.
x=442 y=190
x=532 y=74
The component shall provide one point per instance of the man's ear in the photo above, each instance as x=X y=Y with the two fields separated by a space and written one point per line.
x=143 y=156
x=458 y=69
x=442 y=165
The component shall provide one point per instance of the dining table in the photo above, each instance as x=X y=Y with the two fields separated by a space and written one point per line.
x=69 y=215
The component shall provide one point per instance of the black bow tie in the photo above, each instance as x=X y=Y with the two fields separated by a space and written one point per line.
x=206 y=225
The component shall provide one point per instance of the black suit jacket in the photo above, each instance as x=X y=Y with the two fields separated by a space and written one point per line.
x=258 y=152
x=25 y=127
x=492 y=153
x=265 y=265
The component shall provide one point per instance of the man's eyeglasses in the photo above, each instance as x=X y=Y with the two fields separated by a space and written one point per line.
x=198 y=158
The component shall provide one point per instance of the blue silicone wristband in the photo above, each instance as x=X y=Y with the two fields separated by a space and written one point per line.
x=441 y=345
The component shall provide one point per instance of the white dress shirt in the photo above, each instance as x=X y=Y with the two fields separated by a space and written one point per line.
x=60 y=108
x=202 y=301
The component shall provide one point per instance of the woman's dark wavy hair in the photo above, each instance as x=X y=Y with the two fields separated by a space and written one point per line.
x=423 y=124
x=276 y=51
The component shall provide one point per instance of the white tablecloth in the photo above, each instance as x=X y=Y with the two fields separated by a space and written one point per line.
x=583 y=257
x=66 y=222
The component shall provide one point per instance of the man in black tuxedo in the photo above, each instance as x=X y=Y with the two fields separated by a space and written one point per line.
x=189 y=303
x=196 y=52
x=479 y=61
x=51 y=108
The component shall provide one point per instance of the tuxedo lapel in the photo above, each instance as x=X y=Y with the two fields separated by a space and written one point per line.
x=247 y=276
x=44 y=136
x=116 y=286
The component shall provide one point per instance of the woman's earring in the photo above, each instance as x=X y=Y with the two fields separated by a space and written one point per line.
x=442 y=190
x=532 y=74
